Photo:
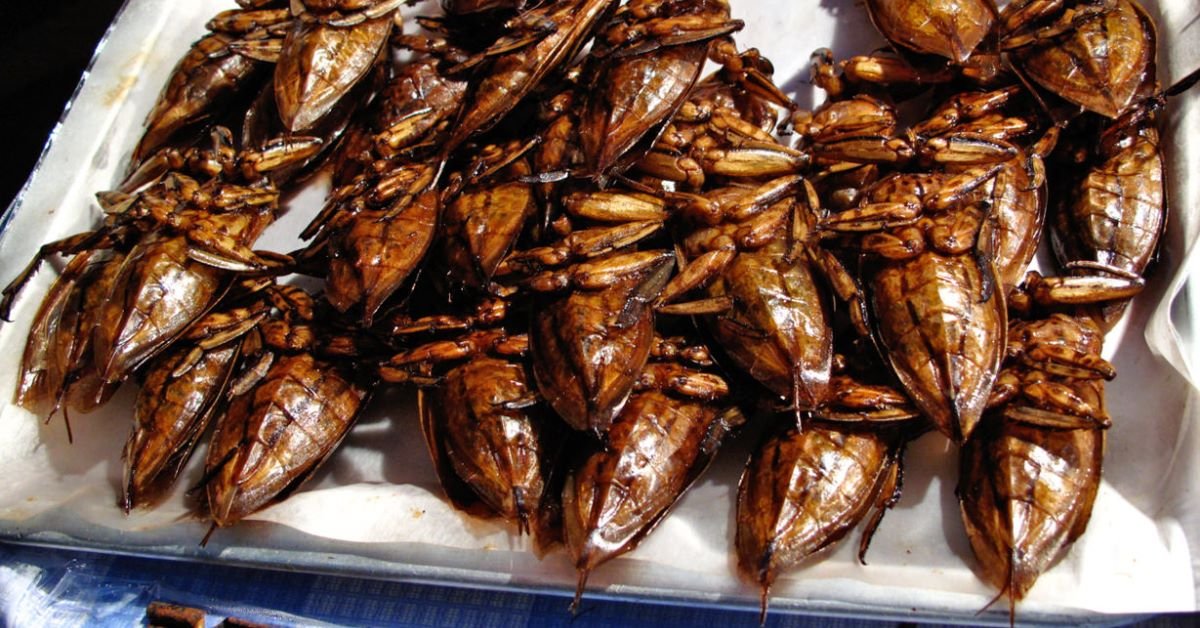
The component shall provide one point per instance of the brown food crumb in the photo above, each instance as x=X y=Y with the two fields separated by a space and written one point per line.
x=166 y=615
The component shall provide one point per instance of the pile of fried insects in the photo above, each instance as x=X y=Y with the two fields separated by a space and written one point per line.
x=593 y=262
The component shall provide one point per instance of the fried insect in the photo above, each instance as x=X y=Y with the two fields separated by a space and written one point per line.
x=648 y=59
x=1018 y=198
x=590 y=343
x=660 y=443
x=375 y=252
x=181 y=391
x=764 y=302
x=330 y=47
x=376 y=238
x=1110 y=216
x=725 y=130
x=53 y=337
x=894 y=76
x=943 y=332
x=217 y=69
x=276 y=436
x=414 y=108
x=803 y=490
x=947 y=29
x=57 y=370
x=492 y=442
x=287 y=414
x=175 y=241
x=171 y=278
x=1029 y=475
x=938 y=312
x=482 y=224
x=965 y=130
x=636 y=167
x=172 y=412
x=499 y=448
x=1096 y=54
x=545 y=38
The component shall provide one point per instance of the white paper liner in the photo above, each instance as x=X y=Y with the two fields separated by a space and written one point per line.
x=376 y=509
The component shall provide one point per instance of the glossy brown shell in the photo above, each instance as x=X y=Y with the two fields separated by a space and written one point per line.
x=418 y=98
x=638 y=94
x=950 y=29
x=158 y=293
x=320 y=64
x=1026 y=494
x=274 y=437
x=1101 y=64
x=1025 y=490
x=589 y=346
x=1019 y=208
x=205 y=79
x=513 y=75
x=46 y=361
x=943 y=339
x=481 y=226
x=500 y=454
x=377 y=252
x=803 y=491
x=1116 y=213
x=779 y=329
x=86 y=390
x=654 y=451
x=171 y=413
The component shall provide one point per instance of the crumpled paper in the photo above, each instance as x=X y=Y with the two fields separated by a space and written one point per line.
x=375 y=509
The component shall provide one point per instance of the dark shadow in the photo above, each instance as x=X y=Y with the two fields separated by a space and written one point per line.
x=853 y=35
x=952 y=525
x=46 y=49
x=98 y=439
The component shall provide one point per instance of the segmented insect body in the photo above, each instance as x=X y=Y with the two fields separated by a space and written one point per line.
x=765 y=300
x=1029 y=476
x=662 y=440
x=375 y=253
x=182 y=389
x=938 y=312
x=326 y=53
x=483 y=423
x=1110 y=216
x=59 y=340
x=589 y=345
x=647 y=61
x=158 y=293
x=218 y=69
x=481 y=225
x=558 y=32
x=944 y=334
x=804 y=490
x=1096 y=55
x=275 y=436
x=172 y=412
x=413 y=109
x=1018 y=202
x=948 y=29
x=778 y=329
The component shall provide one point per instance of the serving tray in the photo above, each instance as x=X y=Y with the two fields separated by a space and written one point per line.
x=376 y=509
